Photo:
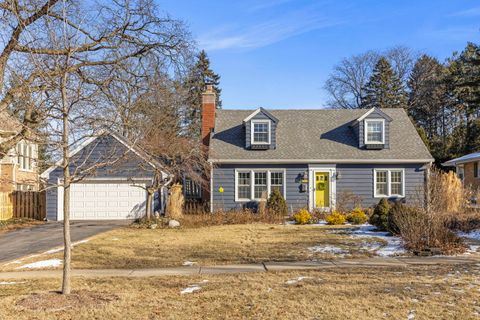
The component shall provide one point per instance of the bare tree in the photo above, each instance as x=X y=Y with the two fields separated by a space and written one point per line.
x=80 y=53
x=346 y=83
x=105 y=35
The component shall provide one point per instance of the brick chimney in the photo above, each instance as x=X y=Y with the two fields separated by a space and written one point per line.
x=209 y=106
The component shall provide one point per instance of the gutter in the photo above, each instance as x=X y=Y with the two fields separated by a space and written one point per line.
x=320 y=161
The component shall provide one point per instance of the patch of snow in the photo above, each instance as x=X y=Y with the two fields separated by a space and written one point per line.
x=190 y=289
x=328 y=249
x=473 y=235
x=293 y=281
x=411 y=315
x=189 y=263
x=5 y=283
x=394 y=245
x=61 y=248
x=42 y=264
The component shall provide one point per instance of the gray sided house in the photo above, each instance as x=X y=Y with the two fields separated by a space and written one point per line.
x=316 y=158
x=111 y=174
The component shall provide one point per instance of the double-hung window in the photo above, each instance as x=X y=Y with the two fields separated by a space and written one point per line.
x=260 y=132
x=244 y=186
x=374 y=131
x=389 y=183
x=257 y=184
x=25 y=156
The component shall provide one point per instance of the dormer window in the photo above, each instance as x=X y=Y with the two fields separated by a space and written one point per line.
x=260 y=132
x=374 y=131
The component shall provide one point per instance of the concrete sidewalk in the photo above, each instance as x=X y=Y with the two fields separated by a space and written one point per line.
x=246 y=268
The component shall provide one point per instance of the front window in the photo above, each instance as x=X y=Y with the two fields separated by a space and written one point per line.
x=258 y=184
x=389 y=183
x=382 y=183
x=276 y=181
x=260 y=132
x=244 y=185
x=374 y=131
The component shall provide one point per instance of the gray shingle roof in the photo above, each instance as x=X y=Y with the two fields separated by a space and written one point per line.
x=322 y=135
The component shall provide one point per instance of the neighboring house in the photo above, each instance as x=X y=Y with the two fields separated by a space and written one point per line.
x=19 y=168
x=111 y=174
x=312 y=156
x=467 y=168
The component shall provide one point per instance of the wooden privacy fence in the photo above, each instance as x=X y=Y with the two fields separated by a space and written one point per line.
x=23 y=204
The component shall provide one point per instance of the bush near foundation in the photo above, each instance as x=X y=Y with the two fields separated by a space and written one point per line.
x=336 y=218
x=357 y=216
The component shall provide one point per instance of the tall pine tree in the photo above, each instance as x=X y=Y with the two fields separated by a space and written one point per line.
x=430 y=105
x=464 y=77
x=384 y=89
x=198 y=77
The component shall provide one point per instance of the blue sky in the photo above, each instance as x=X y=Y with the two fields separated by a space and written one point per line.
x=278 y=53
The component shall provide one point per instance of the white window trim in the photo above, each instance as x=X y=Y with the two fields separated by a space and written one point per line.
x=389 y=183
x=252 y=126
x=252 y=183
x=365 y=129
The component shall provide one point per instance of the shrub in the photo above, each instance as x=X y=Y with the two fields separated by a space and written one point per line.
x=421 y=231
x=335 y=218
x=357 y=216
x=302 y=217
x=276 y=204
x=318 y=215
x=241 y=216
x=379 y=218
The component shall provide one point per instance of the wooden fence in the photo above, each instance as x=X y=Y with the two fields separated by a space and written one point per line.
x=20 y=204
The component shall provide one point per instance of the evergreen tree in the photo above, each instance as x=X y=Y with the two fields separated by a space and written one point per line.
x=384 y=89
x=464 y=77
x=430 y=105
x=198 y=77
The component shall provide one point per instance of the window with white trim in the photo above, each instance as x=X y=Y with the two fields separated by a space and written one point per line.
x=260 y=132
x=260 y=186
x=276 y=181
x=254 y=184
x=374 y=131
x=25 y=155
x=243 y=185
x=389 y=183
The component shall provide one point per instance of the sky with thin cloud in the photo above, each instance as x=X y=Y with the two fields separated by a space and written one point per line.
x=278 y=53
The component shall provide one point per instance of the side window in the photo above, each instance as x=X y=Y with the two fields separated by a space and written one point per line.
x=475 y=169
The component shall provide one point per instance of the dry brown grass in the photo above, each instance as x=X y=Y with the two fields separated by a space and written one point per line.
x=13 y=224
x=224 y=244
x=446 y=292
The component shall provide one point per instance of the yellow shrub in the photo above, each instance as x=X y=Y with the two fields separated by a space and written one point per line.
x=302 y=217
x=335 y=218
x=357 y=216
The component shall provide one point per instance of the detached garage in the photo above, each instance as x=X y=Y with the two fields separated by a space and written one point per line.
x=110 y=179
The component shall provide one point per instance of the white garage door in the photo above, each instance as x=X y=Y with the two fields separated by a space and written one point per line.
x=102 y=201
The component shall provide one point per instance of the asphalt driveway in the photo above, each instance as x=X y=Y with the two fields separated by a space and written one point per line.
x=22 y=242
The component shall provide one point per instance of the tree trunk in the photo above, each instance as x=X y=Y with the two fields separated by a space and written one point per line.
x=148 y=206
x=66 y=284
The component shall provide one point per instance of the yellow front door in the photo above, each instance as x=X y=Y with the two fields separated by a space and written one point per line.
x=322 y=190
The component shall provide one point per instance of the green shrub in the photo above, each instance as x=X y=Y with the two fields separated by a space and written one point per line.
x=335 y=218
x=302 y=217
x=276 y=204
x=357 y=216
x=379 y=218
